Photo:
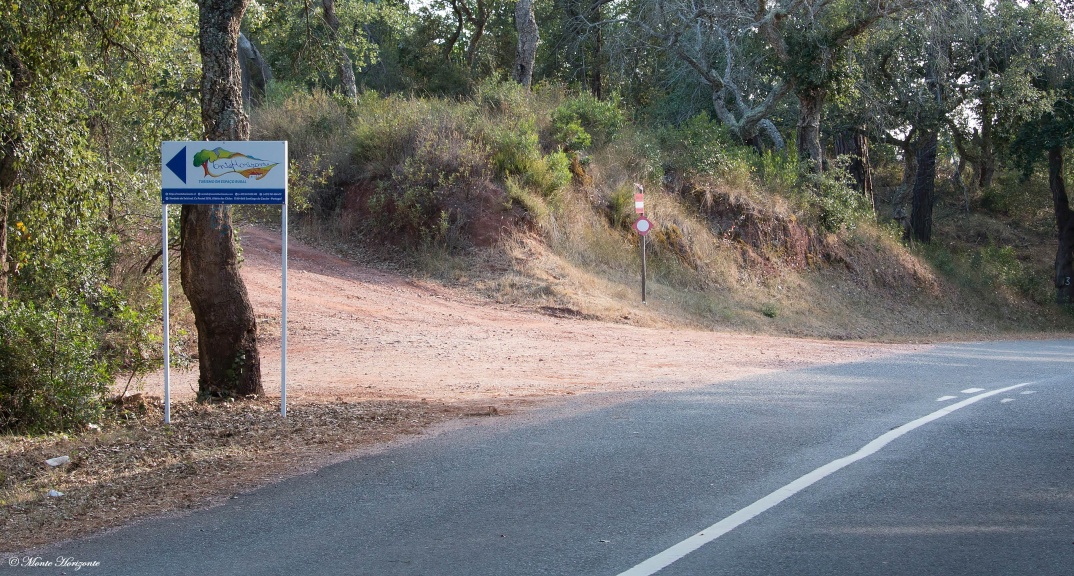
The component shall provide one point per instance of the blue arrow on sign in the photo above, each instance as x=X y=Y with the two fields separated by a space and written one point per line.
x=178 y=165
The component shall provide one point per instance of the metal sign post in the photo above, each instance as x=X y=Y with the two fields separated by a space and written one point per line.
x=167 y=318
x=233 y=172
x=641 y=226
x=644 y=240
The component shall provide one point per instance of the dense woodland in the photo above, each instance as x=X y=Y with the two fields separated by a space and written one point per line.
x=780 y=134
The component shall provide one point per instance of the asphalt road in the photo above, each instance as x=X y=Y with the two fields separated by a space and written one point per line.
x=946 y=476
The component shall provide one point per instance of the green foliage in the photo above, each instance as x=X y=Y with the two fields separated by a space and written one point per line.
x=554 y=173
x=583 y=121
x=302 y=48
x=698 y=146
x=315 y=126
x=515 y=149
x=532 y=203
x=503 y=99
x=778 y=172
x=104 y=84
x=992 y=270
x=51 y=376
x=1001 y=267
x=839 y=205
x=770 y=309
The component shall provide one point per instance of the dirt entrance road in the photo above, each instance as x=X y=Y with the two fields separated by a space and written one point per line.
x=359 y=333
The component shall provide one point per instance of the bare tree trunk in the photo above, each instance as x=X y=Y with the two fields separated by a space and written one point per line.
x=228 y=358
x=256 y=73
x=856 y=145
x=810 y=108
x=596 y=76
x=1064 y=223
x=479 y=21
x=924 y=190
x=960 y=183
x=346 y=66
x=526 y=52
x=986 y=163
x=902 y=193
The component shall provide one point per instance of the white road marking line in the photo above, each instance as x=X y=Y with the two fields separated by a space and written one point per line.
x=1005 y=400
x=945 y=398
x=972 y=390
x=678 y=551
x=1030 y=392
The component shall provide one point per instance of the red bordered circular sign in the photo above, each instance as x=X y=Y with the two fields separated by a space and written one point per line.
x=643 y=226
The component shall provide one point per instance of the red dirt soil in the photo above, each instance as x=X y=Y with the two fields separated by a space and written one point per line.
x=355 y=332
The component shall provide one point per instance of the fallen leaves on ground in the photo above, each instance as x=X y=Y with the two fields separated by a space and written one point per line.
x=136 y=466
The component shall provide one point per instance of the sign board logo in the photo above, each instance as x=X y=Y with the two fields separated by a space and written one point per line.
x=219 y=162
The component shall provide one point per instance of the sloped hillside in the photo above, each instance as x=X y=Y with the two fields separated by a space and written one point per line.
x=527 y=199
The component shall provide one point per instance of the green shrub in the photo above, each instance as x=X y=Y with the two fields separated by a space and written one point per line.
x=839 y=205
x=51 y=376
x=550 y=174
x=770 y=309
x=1001 y=266
x=573 y=137
x=698 y=146
x=778 y=172
x=515 y=149
x=583 y=121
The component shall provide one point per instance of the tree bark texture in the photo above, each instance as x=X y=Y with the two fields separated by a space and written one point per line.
x=346 y=66
x=1064 y=223
x=986 y=163
x=856 y=145
x=256 y=73
x=810 y=109
x=903 y=192
x=528 y=37
x=596 y=70
x=228 y=358
x=924 y=197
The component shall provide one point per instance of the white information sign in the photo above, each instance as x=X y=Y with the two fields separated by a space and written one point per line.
x=231 y=172
x=243 y=172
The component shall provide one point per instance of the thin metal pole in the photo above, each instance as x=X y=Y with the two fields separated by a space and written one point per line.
x=167 y=336
x=283 y=318
x=643 y=243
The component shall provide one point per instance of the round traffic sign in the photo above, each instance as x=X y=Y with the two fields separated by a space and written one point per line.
x=643 y=226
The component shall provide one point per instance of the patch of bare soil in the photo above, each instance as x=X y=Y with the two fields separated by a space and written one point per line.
x=359 y=333
x=372 y=356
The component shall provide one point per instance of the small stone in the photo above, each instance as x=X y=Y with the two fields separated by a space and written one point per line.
x=58 y=461
x=54 y=493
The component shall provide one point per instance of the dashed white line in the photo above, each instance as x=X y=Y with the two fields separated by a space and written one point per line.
x=972 y=390
x=945 y=398
x=677 y=551
x=1030 y=392
x=1005 y=400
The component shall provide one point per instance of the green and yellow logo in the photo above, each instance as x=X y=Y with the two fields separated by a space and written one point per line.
x=219 y=162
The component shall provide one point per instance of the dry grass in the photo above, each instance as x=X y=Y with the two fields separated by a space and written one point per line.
x=137 y=466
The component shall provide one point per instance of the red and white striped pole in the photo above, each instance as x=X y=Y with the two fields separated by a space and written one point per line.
x=639 y=208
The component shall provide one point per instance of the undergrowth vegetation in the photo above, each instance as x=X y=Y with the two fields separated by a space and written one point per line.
x=545 y=180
